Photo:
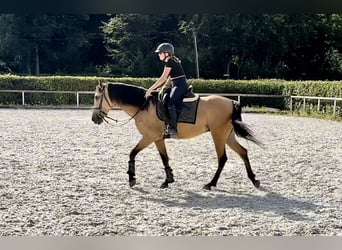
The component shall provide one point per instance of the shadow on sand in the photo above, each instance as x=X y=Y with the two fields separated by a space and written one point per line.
x=291 y=208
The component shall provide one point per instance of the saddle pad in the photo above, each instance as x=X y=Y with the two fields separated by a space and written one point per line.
x=188 y=110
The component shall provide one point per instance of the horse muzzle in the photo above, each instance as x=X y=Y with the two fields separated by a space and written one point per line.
x=97 y=118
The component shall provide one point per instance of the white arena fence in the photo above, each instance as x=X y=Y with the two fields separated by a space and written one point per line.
x=336 y=100
x=23 y=92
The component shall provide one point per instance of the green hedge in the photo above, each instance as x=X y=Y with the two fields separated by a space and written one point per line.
x=84 y=83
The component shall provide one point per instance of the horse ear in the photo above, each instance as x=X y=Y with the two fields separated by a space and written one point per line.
x=101 y=84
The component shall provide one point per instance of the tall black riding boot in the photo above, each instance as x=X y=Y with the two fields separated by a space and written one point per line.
x=172 y=128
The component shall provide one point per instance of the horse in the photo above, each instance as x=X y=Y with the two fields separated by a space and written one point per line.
x=216 y=114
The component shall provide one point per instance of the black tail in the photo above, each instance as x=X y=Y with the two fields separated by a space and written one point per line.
x=242 y=129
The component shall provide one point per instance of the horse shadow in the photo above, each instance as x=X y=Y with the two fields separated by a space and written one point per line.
x=294 y=209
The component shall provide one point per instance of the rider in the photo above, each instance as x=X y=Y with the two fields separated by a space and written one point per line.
x=173 y=70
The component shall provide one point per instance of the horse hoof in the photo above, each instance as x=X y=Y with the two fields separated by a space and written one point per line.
x=207 y=187
x=132 y=183
x=257 y=184
x=164 y=185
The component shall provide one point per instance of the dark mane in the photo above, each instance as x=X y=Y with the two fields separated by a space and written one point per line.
x=128 y=94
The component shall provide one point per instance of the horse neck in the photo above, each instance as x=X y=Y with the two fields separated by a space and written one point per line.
x=127 y=97
x=129 y=109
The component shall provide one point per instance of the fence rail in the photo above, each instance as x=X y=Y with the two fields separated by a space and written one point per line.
x=237 y=95
x=244 y=95
x=77 y=93
x=304 y=98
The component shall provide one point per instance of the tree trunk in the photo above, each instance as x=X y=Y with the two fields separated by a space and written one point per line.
x=28 y=63
x=227 y=74
x=37 y=60
x=240 y=65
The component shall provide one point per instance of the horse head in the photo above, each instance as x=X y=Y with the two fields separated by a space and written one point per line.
x=102 y=103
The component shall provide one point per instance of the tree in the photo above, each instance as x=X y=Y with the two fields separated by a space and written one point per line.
x=44 y=43
x=127 y=41
x=240 y=46
x=264 y=46
x=131 y=40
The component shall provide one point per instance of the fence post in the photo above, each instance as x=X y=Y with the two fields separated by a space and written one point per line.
x=23 y=97
x=77 y=99
x=334 y=111
x=318 y=104
x=291 y=109
x=304 y=104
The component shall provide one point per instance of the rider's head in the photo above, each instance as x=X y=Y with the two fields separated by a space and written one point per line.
x=165 y=48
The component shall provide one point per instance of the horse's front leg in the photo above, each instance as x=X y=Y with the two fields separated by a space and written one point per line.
x=144 y=142
x=168 y=170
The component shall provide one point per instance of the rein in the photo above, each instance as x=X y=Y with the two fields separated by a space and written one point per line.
x=124 y=122
x=105 y=116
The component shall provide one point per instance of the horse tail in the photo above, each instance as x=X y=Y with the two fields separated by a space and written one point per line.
x=242 y=129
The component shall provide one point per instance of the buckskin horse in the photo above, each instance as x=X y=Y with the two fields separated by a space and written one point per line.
x=215 y=114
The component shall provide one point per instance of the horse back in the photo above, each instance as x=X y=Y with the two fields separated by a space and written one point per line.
x=216 y=109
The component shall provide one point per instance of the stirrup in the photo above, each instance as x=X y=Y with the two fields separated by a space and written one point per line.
x=172 y=131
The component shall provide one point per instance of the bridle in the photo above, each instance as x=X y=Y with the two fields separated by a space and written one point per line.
x=103 y=115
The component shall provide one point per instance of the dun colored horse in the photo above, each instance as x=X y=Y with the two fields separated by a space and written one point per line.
x=218 y=115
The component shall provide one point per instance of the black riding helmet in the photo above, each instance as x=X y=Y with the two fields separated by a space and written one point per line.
x=166 y=48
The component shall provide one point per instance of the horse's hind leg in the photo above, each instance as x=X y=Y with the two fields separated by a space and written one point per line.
x=163 y=154
x=242 y=152
x=220 y=146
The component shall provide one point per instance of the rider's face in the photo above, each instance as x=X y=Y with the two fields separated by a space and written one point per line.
x=161 y=56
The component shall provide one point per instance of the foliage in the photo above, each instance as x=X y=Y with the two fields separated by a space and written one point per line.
x=233 y=46
x=131 y=41
x=266 y=46
x=48 y=44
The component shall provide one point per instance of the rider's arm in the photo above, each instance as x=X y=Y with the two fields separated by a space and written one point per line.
x=160 y=81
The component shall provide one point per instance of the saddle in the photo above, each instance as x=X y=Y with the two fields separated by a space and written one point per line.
x=186 y=107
